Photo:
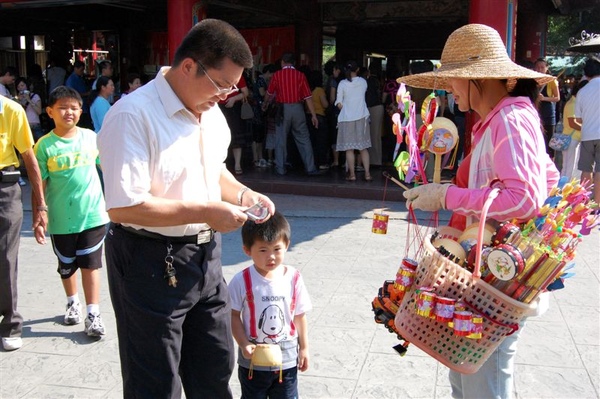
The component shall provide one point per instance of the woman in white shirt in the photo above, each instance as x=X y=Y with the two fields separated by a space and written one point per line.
x=354 y=132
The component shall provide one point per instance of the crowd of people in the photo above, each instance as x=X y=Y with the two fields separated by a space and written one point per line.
x=167 y=196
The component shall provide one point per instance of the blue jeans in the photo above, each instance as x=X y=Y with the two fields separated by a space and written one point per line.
x=495 y=379
x=266 y=384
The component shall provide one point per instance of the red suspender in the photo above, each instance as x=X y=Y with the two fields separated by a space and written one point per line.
x=293 y=304
x=252 y=309
x=250 y=297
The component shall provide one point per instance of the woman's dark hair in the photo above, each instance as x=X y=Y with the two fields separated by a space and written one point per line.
x=330 y=66
x=315 y=79
x=526 y=88
x=19 y=80
x=210 y=41
x=100 y=83
x=579 y=86
x=131 y=77
x=351 y=66
x=277 y=227
x=269 y=68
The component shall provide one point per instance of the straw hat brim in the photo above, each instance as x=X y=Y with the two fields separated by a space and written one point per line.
x=500 y=69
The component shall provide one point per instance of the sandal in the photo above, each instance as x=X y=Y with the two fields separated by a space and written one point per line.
x=239 y=171
x=350 y=178
x=368 y=178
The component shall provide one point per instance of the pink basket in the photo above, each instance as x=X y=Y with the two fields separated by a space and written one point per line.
x=501 y=314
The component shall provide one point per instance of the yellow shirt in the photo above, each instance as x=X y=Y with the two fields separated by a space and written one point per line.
x=569 y=112
x=14 y=132
x=316 y=97
x=553 y=88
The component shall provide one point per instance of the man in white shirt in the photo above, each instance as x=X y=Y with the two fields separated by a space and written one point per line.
x=587 y=115
x=169 y=196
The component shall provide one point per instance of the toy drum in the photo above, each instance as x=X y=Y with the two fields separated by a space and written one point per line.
x=476 y=327
x=462 y=323
x=425 y=303
x=450 y=249
x=380 y=223
x=446 y=232
x=444 y=309
x=404 y=278
x=472 y=230
x=266 y=355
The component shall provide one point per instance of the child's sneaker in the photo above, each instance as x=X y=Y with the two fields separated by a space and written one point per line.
x=73 y=314
x=94 y=326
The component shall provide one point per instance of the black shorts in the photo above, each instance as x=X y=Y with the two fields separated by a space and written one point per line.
x=80 y=250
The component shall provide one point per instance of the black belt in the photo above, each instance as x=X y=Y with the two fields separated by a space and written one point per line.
x=203 y=237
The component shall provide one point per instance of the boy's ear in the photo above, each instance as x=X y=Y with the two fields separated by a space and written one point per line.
x=246 y=250
x=49 y=111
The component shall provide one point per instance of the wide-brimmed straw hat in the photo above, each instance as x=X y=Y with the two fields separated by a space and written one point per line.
x=474 y=51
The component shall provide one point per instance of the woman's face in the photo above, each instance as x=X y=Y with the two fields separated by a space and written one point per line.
x=462 y=96
x=136 y=84
x=21 y=86
x=109 y=88
x=541 y=67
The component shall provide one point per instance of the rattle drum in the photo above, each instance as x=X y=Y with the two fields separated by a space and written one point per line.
x=380 y=222
x=266 y=355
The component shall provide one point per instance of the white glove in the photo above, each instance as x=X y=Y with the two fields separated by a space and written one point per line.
x=428 y=197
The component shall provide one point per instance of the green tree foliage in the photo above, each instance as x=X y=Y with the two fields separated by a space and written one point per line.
x=563 y=27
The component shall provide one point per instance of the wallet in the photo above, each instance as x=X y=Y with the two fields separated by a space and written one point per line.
x=9 y=176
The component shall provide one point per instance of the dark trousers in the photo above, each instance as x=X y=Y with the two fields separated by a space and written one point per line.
x=11 y=218
x=319 y=138
x=265 y=384
x=170 y=332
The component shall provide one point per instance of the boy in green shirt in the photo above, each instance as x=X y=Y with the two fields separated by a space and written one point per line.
x=68 y=156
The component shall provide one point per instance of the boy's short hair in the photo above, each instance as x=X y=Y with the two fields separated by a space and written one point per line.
x=277 y=227
x=63 y=92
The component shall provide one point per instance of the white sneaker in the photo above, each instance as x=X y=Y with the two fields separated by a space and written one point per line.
x=12 y=343
x=73 y=314
x=94 y=327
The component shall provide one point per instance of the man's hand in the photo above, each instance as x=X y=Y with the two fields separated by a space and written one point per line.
x=224 y=217
x=252 y=197
x=315 y=121
x=428 y=197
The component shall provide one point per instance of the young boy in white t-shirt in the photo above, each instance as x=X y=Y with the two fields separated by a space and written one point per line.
x=276 y=315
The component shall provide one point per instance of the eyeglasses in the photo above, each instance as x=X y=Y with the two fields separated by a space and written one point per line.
x=220 y=90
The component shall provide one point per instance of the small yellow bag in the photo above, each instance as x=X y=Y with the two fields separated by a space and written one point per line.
x=267 y=355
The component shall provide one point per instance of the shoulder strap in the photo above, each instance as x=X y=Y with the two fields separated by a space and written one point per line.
x=293 y=304
x=250 y=298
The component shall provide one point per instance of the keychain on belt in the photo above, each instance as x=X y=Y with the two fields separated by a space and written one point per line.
x=170 y=270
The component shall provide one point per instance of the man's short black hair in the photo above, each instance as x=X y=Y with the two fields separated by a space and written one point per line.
x=288 y=58
x=63 y=92
x=211 y=41
x=591 y=67
x=78 y=64
x=277 y=227
x=105 y=65
x=10 y=70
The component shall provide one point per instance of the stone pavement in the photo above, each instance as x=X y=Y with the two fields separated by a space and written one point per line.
x=343 y=264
